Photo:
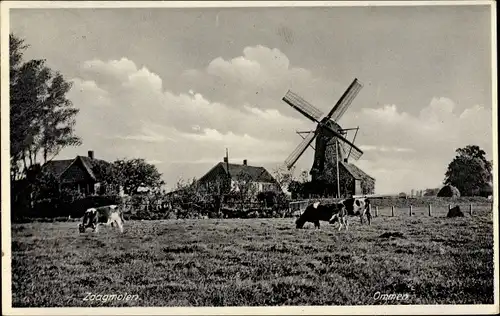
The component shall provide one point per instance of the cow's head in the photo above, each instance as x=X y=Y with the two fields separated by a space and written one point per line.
x=81 y=228
x=88 y=217
x=338 y=210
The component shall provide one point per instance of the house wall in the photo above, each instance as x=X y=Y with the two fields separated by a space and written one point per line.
x=213 y=180
x=256 y=186
x=77 y=178
x=357 y=187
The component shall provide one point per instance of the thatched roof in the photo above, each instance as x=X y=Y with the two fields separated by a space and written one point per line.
x=58 y=167
x=357 y=173
x=256 y=174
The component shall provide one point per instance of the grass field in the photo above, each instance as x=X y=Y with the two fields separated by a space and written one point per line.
x=257 y=262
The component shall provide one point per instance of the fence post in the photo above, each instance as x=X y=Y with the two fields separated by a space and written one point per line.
x=410 y=209
x=392 y=210
x=376 y=211
x=449 y=207
x=430 y=208
x=470 y=209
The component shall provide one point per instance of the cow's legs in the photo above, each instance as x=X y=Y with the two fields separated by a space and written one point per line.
x=95 y=227
x=316 y=224
x=342 y=222
x=369 y=217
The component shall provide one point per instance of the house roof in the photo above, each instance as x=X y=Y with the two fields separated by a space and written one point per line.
x=58 y=167
x=257 y=174
x=357 y=173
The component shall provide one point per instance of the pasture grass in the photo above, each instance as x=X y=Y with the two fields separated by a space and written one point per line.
x=257 y=262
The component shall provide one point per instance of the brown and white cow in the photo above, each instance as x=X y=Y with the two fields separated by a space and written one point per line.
x=103 y=215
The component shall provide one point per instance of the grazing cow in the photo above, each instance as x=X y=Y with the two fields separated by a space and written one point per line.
x=335 y=211
x=323 y=212
x=105 y=215
x=358 y=206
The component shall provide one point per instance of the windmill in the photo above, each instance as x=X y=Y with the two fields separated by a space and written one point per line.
x=332 y=145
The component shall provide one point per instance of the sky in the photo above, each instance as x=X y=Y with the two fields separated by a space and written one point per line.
x=177 y=86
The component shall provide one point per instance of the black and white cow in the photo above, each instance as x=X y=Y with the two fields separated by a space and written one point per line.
x=331 y=212
x=358 y=206
x=328 y=212
x=103 y=215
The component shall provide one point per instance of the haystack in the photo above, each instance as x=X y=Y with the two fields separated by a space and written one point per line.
x=449 y=191
x=455 y=212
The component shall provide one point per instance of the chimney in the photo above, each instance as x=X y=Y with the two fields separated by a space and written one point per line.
x=244 y=162
x=91 y=154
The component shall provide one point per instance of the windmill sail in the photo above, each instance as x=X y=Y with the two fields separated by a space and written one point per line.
x=301 y=105
x=350 y=152
x=339 y=109
x=295 y=155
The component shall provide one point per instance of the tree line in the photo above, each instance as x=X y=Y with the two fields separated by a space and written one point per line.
x=42 y=119
x=42 y=123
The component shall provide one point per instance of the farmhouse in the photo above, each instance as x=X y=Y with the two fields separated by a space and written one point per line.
x=239 y=176
x=79 y=174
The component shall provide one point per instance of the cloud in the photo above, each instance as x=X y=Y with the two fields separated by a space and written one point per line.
x=413 y=151
x=127 y=110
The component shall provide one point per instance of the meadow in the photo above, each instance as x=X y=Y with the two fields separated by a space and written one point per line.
x=257 y=262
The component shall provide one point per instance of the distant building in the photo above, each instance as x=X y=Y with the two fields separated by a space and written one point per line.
x=77 y=174
x=225 y=176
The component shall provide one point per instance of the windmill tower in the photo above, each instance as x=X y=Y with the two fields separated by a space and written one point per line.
x=332 y=146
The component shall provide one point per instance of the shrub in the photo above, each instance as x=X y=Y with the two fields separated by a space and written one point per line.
x=449 y=191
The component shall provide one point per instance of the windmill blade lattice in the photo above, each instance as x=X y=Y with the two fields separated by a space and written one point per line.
x=299 y=150
x=345 y=101
x=302 y=106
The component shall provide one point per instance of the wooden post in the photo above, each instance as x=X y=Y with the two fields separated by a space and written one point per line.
x=392 y=211
x=376 y=211
x=430 y=208
x=449 y=207
x=470 y=209
x=410 y=209
x=337 y=163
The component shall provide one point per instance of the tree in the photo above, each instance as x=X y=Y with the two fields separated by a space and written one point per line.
x=244 y=187
x=135 y=173
x=304 y=176
x=107 y=174
x=469 y=171
x=42 y=119
x=283 y=176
